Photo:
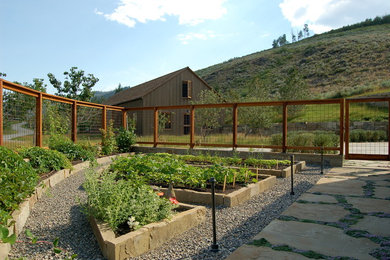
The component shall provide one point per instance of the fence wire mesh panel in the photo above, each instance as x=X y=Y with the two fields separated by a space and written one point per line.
x=19 y=125
x=56 y=119
x=214 y=126
x=260 y=126
x=115 y=117
x=314 y=125
x=174 y=126
x=368 y=128
x=89 y=123
x=143 y=121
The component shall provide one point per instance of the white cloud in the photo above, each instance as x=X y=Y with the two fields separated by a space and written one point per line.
x=324 y=15
x=189 y=12
x=191 y=36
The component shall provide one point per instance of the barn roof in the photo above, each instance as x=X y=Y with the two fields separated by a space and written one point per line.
x=143 y=89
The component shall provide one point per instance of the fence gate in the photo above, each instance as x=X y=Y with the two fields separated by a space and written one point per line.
x=367 y=129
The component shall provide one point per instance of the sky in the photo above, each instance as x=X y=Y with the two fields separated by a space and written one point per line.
x=133 y=41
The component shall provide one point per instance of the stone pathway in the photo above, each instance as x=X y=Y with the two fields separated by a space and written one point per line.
x=346 y=214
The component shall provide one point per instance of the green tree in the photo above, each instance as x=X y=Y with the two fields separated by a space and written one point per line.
x=208 y=119
x=2 y=74
x=254 y=118
x=76 y=85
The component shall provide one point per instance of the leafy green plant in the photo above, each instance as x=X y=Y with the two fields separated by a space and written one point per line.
x=108 y=139
x=44 y=160
x=114 y=200
x=125 y=139
x=360 y=135
x=71 y=150
x=17 y=181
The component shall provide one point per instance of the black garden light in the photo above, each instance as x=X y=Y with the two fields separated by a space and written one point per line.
x=292 y=175
x=214 y=246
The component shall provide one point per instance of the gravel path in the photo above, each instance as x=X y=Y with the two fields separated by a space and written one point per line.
x=58 y=214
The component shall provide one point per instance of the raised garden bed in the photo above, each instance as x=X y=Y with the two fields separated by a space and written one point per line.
x=148 y=237
x=230 y=198
x=20 y=216
x=281 y=171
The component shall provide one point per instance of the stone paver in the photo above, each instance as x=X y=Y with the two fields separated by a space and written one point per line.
x=319 y=238
x=318 y=198
x=374 y=225
x=382 y=192
x=322 y=212
x=370 y=205
x=254 y=252
x=328 y=240
x=339 y=186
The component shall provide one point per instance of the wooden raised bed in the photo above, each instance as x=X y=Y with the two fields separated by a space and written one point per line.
x=147 y=237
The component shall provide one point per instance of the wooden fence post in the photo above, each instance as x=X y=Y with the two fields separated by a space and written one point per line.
x=74 y=121
x=192 y=125
x=346 y=125
x=38 y=120
x=342 y=105
x=124 y=119
x=388 y=132
x=235 y=123
x=284 y=140
x=1 y=112
x=155 y=127
x=104 y=118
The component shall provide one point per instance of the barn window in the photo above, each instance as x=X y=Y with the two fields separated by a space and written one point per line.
x=187 y=122
x=186 y=89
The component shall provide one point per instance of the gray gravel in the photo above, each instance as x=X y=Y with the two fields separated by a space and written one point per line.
x=58 y=214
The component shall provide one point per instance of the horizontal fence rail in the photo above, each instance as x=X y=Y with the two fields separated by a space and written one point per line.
x=26 y=117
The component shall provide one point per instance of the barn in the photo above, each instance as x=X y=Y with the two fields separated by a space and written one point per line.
x=181 y=87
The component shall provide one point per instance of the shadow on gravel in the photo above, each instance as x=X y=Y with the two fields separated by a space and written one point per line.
x=252 y=226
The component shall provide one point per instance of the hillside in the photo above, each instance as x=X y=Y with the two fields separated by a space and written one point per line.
x=333 y=64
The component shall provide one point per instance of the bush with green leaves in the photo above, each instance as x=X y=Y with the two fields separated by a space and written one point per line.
x=360 y=135
x=72 y=151
x=114 y=200
x=125 y=139
x=108 y=139
x=44 y=160
x=308 y=139
x=17 y=181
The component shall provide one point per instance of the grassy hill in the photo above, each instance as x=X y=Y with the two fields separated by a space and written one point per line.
x=340 y=63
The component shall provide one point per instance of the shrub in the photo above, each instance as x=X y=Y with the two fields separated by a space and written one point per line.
x=115 y=201
x=71 y=150
x=360 y=135
x=108 y=139
x=17 y=181
x=43 y=160
x=125 y=139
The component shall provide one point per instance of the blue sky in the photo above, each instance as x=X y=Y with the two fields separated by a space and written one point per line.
x=133 y=41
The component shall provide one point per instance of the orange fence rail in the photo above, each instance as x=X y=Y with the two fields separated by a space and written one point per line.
x=272 y=125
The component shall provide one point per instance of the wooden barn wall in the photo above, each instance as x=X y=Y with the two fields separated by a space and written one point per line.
x=171 y=94
x=137 y=114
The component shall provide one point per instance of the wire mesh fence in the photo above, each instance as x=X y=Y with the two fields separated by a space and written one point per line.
x=174 y=126
x=214 y=125
x=114 y=116
x=143 y=121
x=19 y=119
x=56 y=119
x=368 y=127
x=89 y=123
x=260 y=126
x=314 y=125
